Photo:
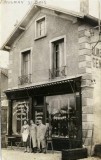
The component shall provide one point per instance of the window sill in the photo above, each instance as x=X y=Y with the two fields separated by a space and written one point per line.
x=40 y=37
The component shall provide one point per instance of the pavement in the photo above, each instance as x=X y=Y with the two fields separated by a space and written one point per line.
x=8 y=154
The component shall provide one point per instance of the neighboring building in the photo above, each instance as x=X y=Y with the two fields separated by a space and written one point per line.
x=4 y=103
x=52 y=76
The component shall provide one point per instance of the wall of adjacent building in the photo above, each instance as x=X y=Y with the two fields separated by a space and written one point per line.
x=4 y=104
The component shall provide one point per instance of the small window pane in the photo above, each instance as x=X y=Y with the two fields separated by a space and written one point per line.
x=41 y=27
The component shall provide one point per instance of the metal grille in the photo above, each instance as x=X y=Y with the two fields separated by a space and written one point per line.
x=24 y=79
x=57 y=72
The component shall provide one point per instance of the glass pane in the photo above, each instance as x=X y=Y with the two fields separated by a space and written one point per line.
x=41 y=27
x=38 y=114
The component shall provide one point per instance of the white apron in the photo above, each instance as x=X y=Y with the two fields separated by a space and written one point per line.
x=25 y=133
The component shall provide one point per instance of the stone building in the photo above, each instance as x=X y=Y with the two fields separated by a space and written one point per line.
x=4 y=103
x=55 y=75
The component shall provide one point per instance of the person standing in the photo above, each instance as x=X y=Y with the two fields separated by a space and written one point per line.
x=41 y=137
x=33 y=134
x=25 y=135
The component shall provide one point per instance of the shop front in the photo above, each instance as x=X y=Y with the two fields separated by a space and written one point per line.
x=58 y=104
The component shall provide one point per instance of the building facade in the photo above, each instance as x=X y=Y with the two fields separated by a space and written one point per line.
x=52 y=76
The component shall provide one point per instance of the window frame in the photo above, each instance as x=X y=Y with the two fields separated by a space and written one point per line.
x=36 y=28
x=20 y=65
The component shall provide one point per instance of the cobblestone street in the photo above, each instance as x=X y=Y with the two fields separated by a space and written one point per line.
x=8 y=154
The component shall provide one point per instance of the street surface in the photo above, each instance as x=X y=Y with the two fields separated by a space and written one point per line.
x=8 y=154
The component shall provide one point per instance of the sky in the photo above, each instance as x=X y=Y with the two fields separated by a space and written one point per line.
x=12 y=11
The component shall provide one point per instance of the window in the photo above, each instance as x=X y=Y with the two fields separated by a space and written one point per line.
x=25 y=63
x=58 y=59
x=40 y=27
x=25 y=68
x=20 y=113
x=63 y=115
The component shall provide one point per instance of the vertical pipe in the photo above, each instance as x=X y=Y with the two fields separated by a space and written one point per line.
x=10 y=119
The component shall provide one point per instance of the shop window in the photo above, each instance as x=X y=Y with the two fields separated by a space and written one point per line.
x=40 y=27
x=62 y=115
x=20 y=113
x=39 y=108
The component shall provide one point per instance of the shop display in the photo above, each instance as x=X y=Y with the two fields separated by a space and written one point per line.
x=62 y=111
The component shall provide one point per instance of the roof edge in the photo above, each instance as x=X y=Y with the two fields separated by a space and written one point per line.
x=64 y=11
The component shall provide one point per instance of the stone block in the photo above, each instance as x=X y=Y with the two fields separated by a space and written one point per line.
x=87 y=109
x=90 y=117
x=85 y=70
x=84 y=58
x=85 y=52
x=82 y=28
x=87 y=76
x=82 y=64
x=87 y=142
x=87 y=33
x=83 y=40
x=87 y=133
x=84 y=117
x=81 y=33
x=9 y=71
x=87 y=125
x=87 y=93
x=85 y=64
x=10 y=62
x=85 y=82
x=87 y=101
x=84 y=46
x=9 y=80
x=89 y=64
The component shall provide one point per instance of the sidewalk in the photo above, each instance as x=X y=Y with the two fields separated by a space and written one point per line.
x=8 y=154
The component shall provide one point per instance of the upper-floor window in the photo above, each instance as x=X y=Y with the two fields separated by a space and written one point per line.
x=40 y=27
x=25 y=67
x=58 y=58
x=58 y=52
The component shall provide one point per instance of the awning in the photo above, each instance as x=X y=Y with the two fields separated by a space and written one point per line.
x=44 y=84
x=65 y=86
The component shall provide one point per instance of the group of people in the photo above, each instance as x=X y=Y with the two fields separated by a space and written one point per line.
x=34 y=136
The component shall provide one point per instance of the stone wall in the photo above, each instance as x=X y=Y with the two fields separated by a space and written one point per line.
x=85 y=68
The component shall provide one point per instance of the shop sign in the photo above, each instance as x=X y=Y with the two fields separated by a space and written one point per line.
x=96 y=59
x=21 y=111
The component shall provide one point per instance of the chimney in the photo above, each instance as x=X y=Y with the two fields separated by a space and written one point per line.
x=84 y=6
